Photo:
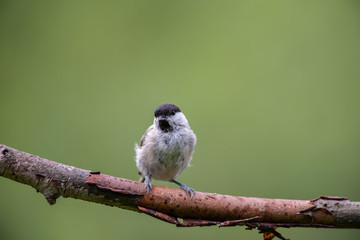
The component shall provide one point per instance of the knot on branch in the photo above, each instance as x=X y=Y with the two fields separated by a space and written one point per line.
x=7 y=159
x=48 y=187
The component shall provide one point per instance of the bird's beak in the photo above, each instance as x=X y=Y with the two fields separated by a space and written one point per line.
x=161 y=118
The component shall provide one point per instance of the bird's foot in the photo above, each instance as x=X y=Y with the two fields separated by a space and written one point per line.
x=148 y=184
x=187 y=189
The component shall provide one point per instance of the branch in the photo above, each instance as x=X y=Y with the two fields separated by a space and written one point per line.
x=53 y=180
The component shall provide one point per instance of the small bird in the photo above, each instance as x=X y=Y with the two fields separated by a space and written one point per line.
x=166 y=148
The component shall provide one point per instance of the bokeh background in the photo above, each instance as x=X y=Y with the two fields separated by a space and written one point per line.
x=271 y=88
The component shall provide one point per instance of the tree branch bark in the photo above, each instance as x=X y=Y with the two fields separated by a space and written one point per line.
x=53 y=180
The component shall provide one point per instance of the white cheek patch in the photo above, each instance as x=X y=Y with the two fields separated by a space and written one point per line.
x=179 y=119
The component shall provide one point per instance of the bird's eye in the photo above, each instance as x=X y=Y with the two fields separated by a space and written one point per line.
x=173 y=112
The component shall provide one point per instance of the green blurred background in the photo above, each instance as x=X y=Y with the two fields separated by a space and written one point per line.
x=271 y=88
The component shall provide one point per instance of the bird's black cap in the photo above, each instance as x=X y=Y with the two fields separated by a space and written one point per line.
x=166 y=109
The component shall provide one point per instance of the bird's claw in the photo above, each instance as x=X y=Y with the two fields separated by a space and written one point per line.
x=189 y=190
x=148 y=184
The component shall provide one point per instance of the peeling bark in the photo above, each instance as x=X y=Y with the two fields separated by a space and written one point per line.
x=53 y=180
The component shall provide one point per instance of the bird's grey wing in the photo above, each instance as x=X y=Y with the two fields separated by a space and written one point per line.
x=142 y=140
x=141 y=143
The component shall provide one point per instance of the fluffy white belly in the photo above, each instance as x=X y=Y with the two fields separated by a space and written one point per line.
x=165 y=155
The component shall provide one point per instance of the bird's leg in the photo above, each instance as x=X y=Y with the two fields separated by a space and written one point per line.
x=142 y=179
x=190 y=191
x=148 y=185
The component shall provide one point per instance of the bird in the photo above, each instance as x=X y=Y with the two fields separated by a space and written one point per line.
x=166 y=148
